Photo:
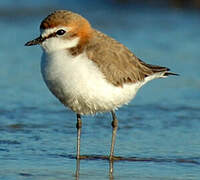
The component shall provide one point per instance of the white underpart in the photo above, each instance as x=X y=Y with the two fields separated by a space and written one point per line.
x=57 y=43
x=81 y=86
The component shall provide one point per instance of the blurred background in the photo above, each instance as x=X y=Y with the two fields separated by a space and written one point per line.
x=38 y=134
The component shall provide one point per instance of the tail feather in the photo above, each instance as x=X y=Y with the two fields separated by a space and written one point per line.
x=157 y=69
x=170 y=73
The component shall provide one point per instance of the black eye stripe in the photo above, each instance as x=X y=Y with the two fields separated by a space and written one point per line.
x=54 y=34
x=49 y=36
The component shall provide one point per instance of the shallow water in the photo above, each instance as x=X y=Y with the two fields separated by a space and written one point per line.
x=160 y=127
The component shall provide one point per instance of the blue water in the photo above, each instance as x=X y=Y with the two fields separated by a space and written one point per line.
x=38 y=134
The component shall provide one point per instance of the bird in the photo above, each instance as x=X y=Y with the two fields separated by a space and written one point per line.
x=88 y=71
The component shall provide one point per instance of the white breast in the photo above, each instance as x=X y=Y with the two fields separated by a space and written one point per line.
x=78 y=84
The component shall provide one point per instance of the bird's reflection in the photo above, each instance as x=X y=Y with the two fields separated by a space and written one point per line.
x=111 y=167
x=129 y=159
x=77 y=168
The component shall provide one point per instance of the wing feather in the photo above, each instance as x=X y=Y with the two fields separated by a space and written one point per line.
x=118 y=63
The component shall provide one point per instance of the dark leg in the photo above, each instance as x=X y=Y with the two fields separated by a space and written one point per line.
x=78 y=126
x=114 y=125
x=114 y=132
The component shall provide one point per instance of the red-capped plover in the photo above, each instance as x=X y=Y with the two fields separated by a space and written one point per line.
x=88 y=71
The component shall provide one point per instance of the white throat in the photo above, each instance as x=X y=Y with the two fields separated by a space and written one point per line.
x=56 y=44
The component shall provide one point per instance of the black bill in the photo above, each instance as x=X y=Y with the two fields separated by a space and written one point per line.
x=36 y=41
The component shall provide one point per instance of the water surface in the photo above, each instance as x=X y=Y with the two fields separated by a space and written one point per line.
x=38 y=134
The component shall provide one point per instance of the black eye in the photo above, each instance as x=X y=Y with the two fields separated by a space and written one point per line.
x=60 y=32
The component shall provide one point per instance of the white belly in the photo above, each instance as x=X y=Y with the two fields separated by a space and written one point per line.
x=79 y=85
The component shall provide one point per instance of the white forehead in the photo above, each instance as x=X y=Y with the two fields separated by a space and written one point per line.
x=47 y=32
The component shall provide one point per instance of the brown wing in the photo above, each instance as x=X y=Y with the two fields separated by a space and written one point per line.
x=118 y=64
